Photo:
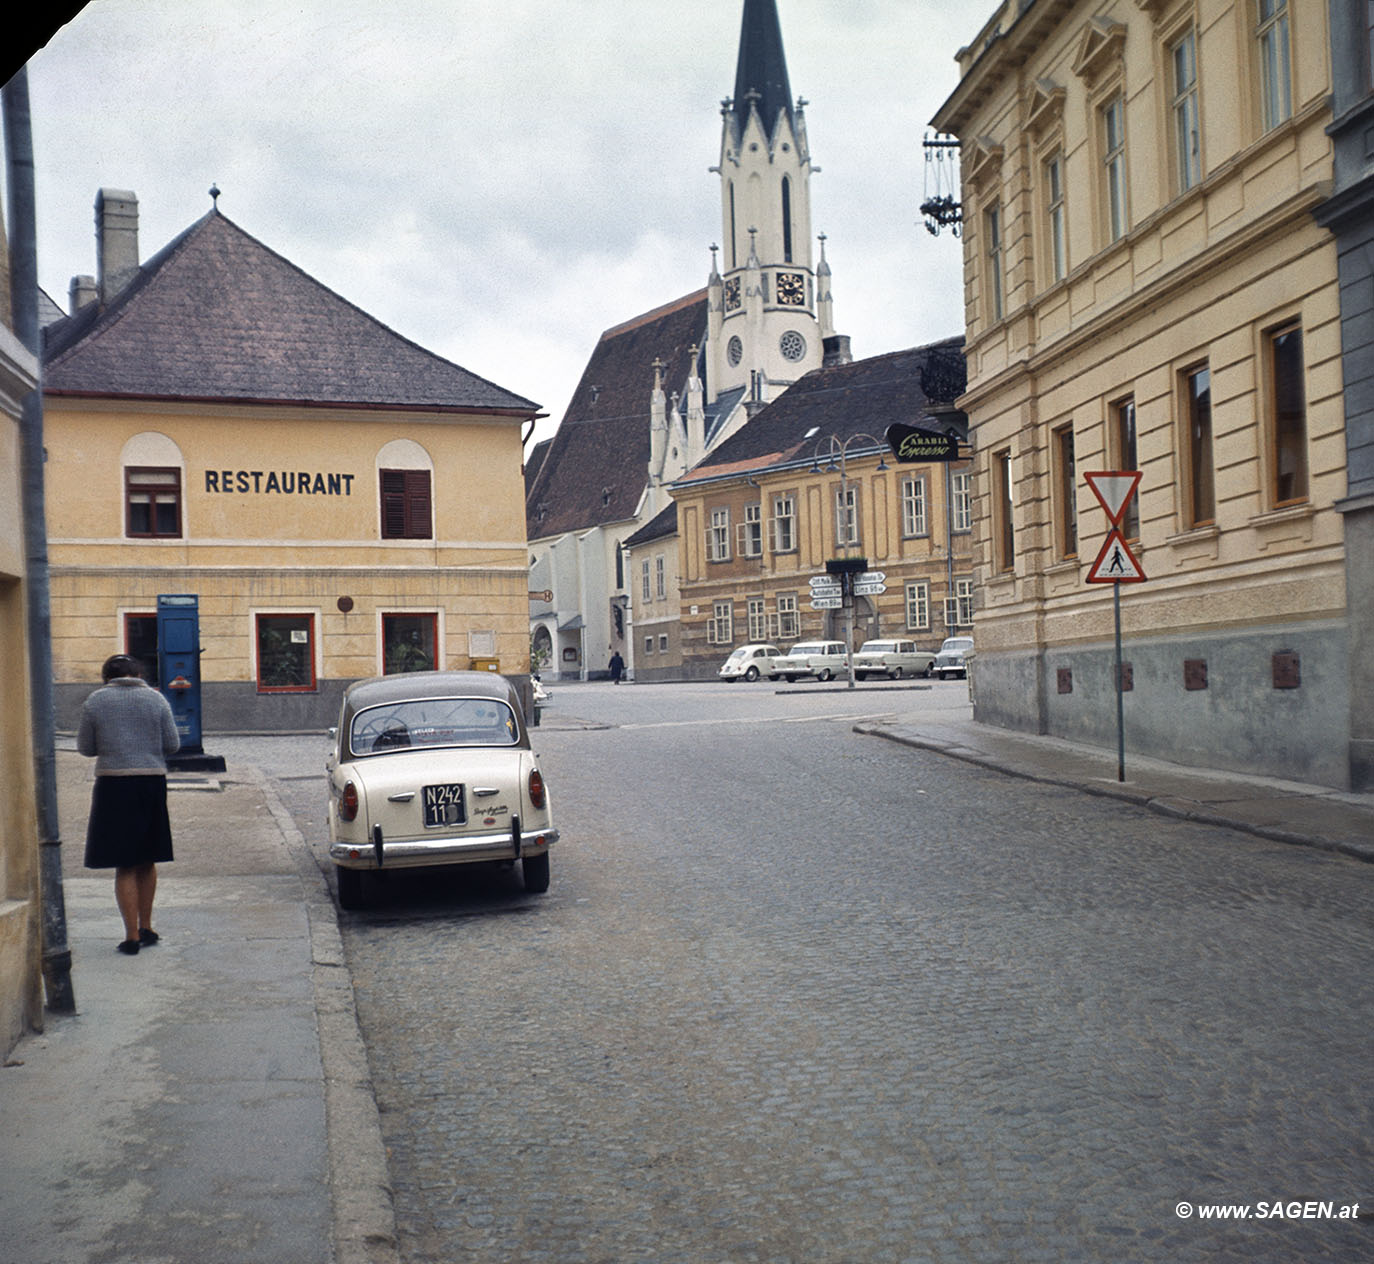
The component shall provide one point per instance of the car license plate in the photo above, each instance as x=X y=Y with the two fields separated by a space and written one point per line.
x=444 y=806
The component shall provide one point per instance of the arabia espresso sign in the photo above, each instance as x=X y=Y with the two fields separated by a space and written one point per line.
x=913 y=446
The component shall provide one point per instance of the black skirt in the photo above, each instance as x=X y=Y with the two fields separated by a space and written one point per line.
x=128 y=825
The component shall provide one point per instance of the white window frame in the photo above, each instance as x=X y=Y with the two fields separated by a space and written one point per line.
x=1275 y=63
x=783 y=524
x=644 y=578
x=1113 y=117
x=789 y=622
x=718 y=536
x=918 y=605
x=915 y=521
x=847 y=516
x=758 y=618
x=720 y=627
x=750 y=532
x=963 y=595
x=1187 y=124
x=1056 y=230
x=961 y=492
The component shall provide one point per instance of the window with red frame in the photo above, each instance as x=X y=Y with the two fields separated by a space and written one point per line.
x=286 y=653
x=152 y=502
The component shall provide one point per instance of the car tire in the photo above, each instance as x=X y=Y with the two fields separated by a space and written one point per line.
x=930 y=670
x=751 y=675
x=535 y=871
x=896 y=673
x=824 y=674
x=351 y=895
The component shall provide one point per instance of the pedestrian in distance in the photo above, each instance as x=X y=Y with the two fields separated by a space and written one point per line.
x=617 y=667
x=129 y=728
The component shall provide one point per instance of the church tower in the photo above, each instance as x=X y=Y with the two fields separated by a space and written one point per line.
x=763 y=330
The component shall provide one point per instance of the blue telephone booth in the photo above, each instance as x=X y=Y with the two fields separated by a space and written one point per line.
x=178 y=664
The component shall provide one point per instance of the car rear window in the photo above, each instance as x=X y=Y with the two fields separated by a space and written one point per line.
x=433 y=722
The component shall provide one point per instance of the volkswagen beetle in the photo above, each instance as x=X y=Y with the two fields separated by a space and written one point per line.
x=435 y=768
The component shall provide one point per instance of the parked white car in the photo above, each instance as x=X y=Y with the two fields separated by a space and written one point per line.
x=950 y=660
x=893 y=659
x=822 y=659
x=435 y=768
x=749 y=662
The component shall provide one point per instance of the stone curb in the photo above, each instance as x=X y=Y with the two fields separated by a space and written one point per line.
x=1184 y=809
x=361 y=1196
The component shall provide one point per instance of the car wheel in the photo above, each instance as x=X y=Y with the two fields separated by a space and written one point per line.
x=350 y=888
x=930 y=670
x=751 y=675
x=824 y=674
x=896 y=673
x=535 y=871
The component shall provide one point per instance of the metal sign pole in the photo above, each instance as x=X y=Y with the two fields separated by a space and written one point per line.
x=1120 y=706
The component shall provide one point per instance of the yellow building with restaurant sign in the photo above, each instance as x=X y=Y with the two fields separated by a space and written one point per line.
x=342 y=502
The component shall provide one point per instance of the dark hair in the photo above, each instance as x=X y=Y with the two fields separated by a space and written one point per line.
x=120 y=665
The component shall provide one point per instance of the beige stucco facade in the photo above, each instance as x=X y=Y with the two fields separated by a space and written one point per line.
x=281 y=516
x=757 y=586
x=21 y=989
x=1141 y=255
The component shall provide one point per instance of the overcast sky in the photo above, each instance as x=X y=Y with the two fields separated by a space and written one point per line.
x=498 y=180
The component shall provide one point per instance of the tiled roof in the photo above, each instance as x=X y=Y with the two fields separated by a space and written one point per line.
x=216 y=315
x=862 y=396
x=662 y=525
x=597 y=464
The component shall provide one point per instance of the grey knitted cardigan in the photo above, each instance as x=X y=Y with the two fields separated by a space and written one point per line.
x=129 y=729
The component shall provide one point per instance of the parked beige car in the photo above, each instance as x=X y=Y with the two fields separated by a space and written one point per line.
x=822 y=659
x=435 y=768
x=893 y=659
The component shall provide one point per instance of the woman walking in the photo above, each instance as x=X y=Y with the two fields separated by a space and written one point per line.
x=129 y=729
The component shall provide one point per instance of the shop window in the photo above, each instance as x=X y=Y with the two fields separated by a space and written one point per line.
x=409 y=643
x=285 y=653
x=152 y=501
x=406 y=505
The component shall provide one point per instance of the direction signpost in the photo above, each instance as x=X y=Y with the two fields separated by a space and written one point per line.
x=1116 y=565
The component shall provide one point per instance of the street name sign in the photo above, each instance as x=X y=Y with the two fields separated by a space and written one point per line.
x=870 y=577
x=862 y=589
x=826 y=603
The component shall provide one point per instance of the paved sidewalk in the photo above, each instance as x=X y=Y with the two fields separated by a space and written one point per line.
x=1287 y=811
x=210 y=1100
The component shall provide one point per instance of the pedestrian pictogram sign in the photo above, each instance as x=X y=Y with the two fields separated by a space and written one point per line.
x=1113 y=489
x=1116 y=564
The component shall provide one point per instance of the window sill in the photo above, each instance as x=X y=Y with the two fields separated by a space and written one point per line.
x=1284 y=515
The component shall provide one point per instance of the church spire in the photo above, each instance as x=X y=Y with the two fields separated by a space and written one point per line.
x=761 y=72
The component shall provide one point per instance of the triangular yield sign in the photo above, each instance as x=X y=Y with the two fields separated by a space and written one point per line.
x=1113 y=489
x=1115 y=564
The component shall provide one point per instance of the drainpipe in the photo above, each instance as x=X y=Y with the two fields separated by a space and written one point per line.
x=57 y=956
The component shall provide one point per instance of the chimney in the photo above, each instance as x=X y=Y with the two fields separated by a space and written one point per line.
x=116 y=240
x=836 y=351
x=83 y=293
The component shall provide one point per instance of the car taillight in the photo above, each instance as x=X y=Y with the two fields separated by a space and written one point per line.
x=536 y=788
x=348 y=802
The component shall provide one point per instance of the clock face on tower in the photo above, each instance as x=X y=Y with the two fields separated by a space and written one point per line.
x=791 y=289
x=732 y=294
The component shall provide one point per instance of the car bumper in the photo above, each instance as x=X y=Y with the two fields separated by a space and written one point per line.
x=410 y=853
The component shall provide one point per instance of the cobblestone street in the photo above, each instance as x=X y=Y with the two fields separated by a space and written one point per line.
x=800 y=995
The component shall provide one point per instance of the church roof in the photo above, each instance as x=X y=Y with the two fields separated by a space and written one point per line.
x=597 y=464
x=218 y=316
x=864 y=395
x=762 y=67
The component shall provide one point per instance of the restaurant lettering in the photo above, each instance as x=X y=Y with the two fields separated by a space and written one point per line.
x=279 y=482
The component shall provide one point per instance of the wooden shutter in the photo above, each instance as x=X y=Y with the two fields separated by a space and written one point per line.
x=406 y=505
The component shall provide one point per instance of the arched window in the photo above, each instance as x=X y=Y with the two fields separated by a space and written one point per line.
x=786 y=220
x=405 y=480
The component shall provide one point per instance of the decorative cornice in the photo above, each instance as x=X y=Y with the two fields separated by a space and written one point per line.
x=1099 y=47
x=1045 y=109
x=984 y=161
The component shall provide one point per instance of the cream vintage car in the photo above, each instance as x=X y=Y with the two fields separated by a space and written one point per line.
x=893 y=659
x=435 y=768
x=749 y=662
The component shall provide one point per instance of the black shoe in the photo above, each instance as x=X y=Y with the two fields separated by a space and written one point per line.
x=147 y=938
x=129 y=947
